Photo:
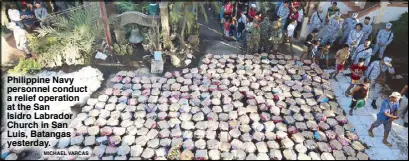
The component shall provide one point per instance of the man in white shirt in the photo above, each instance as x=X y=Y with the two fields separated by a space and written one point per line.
x=290 y=33
x=20 y=38
x=14 y=15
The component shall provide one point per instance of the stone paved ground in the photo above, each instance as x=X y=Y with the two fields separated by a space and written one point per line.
x=363 y=118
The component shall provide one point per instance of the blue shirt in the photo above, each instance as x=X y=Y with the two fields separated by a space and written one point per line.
x=386 y=107
x=28 y=13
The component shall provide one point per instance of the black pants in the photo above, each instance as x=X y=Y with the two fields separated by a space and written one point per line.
x=353 y=104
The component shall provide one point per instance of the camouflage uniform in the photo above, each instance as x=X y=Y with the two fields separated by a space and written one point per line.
x=265 y=32
x=276 y=36
x=253 y=39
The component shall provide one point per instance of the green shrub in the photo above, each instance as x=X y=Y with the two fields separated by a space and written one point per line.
x=70 y=40
x=26 y=66
x=400 y=29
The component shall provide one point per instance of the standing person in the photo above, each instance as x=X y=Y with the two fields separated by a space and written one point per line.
x=363 y=51
x=317 y=20
x=15 y=16
x=355 y=37
x=252 y=11
x=253 y=39
x=41 y=14
x=387 y=114
x=332 y=32
x=314 y=50
x=241 y=26
x=265 y=31
x=20 y=38
x=294 y=16
x=333 y=10
x=299 y=20
x=357 y=71
x=228 y=9
x=276 y=35
x=249 y=26
x=307 y=46
x=383 y=39
x=324 y=56
x=403 y=109
x=377 y=74
x=349 y=25
x=27 y=17
x=366 y=29
x=290 y=33
x=226 y=27
x=359 y=95
x=283 y=13
x=340 y=59
x=221 y=16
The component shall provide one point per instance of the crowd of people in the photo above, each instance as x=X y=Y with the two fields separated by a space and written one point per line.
x=355 y=51
x=24 y=16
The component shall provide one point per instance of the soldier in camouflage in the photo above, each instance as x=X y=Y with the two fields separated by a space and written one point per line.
x=276 y=36
x=253 y=39
x=265 y=31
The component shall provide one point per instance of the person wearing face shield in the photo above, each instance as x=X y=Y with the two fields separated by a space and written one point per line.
x=387 y=114
x=317 y=20
x=359 y=95
x=348 y=25
x=363 y=51
x=383 y=39
x=332 y=32
x=377 y=74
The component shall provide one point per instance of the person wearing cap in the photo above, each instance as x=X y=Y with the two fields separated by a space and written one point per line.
x=387 y=114
x=332 y=31
x=376 y=72
x=283 y=13
x=383 y=39
x=252 y=11
x=241 y=26
x=403 y=109
x=276 y=37
x=307 y=46
x=332 y=10
x=357 y=71
x=348 y=25
x=317 y=20
x=20 y=38
x=359 y=95
x=265 y=31
x=27 y=17
x=363 y=51
x=253 y=37
x=366 y=29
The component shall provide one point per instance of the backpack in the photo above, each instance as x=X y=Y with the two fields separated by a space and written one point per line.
x=241 y=26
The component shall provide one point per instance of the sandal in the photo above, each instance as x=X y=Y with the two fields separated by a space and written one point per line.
x=387 y=143
x=370 y=133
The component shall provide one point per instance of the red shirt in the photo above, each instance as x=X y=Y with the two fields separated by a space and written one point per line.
x=228 y=9
x=357 y=69
x=252 y=12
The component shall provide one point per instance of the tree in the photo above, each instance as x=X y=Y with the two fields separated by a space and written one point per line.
x=164 y=16
x=184 y=14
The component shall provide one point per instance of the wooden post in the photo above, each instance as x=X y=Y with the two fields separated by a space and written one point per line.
x=106 y=26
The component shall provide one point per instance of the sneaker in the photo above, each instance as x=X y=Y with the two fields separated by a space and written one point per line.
x=28 y=55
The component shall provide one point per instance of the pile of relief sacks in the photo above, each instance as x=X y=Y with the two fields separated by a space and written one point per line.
x=254 y=107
